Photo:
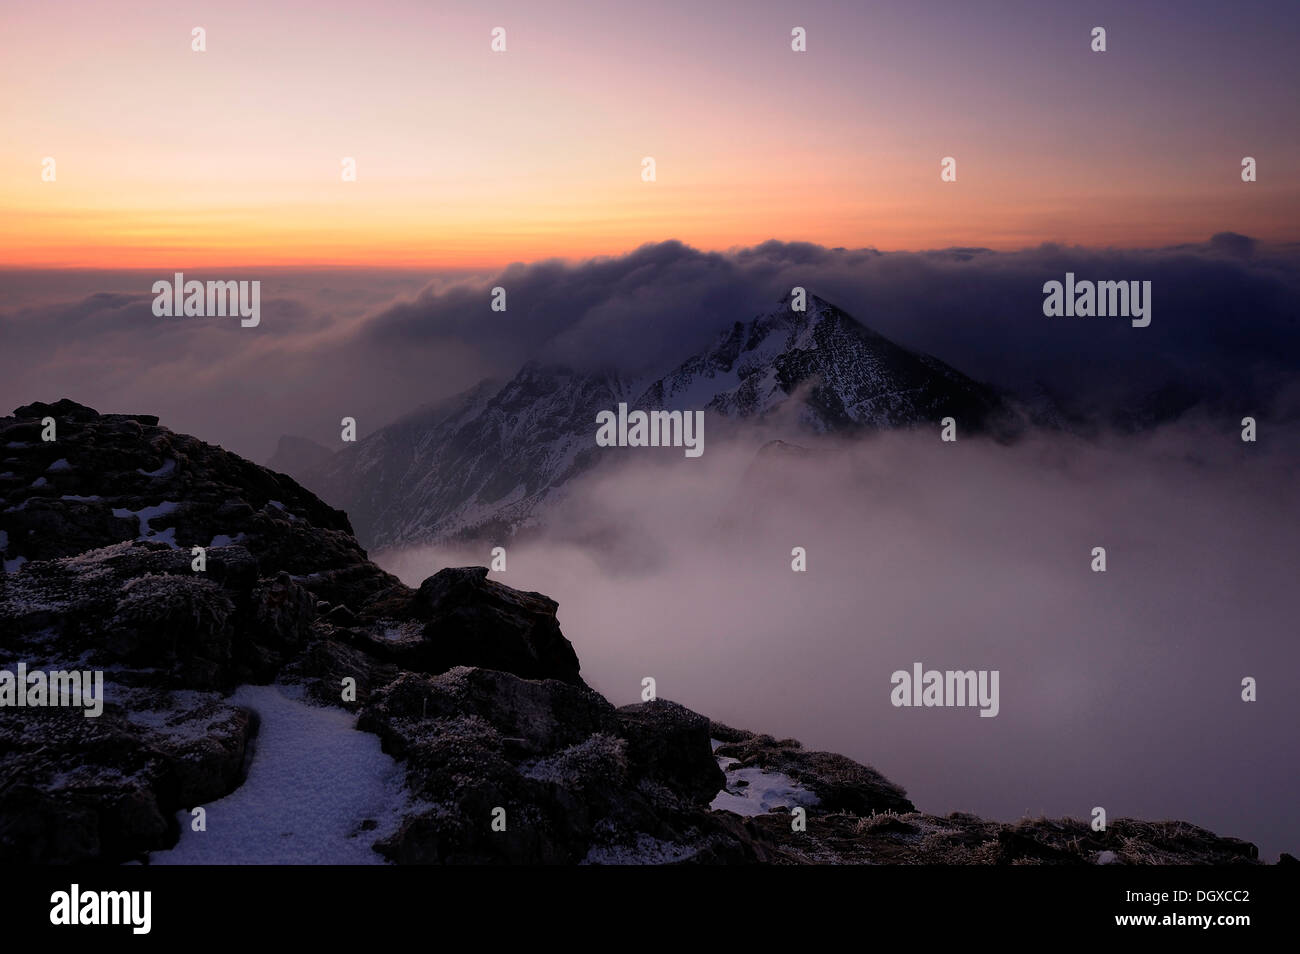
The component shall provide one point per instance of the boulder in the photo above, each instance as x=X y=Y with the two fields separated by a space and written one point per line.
x=474 y=621
x=669 y=743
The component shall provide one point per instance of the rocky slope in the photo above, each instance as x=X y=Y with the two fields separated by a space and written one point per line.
x=468 y=682
x=487 y=464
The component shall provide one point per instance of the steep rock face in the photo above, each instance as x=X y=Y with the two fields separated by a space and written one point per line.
x=488 y=463
x=478 y=622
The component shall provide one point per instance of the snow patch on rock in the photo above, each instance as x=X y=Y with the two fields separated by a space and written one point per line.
x=754 y=791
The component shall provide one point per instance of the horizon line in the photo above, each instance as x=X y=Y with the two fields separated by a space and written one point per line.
x=571 y=260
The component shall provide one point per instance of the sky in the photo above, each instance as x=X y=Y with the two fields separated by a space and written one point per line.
x=170 y=158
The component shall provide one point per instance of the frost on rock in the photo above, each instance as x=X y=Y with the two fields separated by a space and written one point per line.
x=600 y=757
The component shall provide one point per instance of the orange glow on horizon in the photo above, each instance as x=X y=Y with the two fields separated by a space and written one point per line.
x=465 y=158
x=394 y=233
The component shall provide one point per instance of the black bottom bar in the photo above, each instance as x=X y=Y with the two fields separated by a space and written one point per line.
x=214 y=904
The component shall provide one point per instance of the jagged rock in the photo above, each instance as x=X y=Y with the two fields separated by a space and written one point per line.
x=68 y=410
x=341 y=616
x=327 y=662
x=964 y=839
x=282 y=613
x=142 y=605
x=474 y=621
x=179 y=623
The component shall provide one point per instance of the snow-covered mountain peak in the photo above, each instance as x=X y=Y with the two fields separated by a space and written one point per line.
x=488 y=465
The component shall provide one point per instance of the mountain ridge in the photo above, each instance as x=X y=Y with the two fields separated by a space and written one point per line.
x=491 y=468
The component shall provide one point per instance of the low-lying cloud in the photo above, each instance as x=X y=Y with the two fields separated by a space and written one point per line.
x=1120 y=689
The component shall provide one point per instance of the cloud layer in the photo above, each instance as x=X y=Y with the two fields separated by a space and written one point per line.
x=1119 y=689
x=374 y=344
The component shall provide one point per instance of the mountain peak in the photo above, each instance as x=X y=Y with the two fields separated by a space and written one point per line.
x=488 y=468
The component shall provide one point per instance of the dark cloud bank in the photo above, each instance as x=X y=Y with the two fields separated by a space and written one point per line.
x=373 y=345
x=1119 y=689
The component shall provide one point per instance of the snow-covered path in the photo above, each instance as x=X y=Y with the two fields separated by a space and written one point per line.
x=312 y=782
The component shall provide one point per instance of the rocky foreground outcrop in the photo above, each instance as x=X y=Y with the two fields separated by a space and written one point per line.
x=470 y=683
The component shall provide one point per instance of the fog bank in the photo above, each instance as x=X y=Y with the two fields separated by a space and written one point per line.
x=1120 y=689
